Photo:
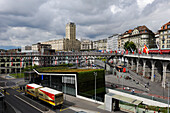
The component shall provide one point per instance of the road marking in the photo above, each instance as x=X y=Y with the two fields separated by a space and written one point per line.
x=7 y=93
x=64 y=109
x=19 y=91
x=29 y=103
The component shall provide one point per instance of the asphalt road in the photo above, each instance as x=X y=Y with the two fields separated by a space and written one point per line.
x=20 y=106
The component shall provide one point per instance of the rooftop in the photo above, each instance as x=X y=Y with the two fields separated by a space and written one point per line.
x=63 y=69
x=49 y=90
x=165 y=26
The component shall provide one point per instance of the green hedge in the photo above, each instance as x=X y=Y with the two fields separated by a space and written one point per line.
x=153 y=108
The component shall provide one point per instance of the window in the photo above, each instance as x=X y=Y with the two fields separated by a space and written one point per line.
x=162 y=46
x=163 y=42
x=163 y=38
x=168 y=46
x=168 y=36
x=168 y=26
x=69 y=80
x=40 y=94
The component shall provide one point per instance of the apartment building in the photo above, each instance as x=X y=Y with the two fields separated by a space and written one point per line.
x=112 y=42
x=141 y=36
x=164 y=36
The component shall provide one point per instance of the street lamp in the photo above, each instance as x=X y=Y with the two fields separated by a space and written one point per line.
x=168 y=96
x=95 y=74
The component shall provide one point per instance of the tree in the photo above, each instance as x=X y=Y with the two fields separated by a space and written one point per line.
x=130 y=45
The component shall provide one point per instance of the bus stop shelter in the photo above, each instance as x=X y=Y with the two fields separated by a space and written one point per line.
x=112 y=101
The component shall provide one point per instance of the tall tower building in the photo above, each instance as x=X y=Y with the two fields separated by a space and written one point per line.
x=71 y=31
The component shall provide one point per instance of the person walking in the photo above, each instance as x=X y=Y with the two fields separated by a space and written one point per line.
x=146 y=108
x=159 y=110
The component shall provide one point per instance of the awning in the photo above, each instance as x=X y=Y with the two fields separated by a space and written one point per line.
x=124 y=99
x=127 y=99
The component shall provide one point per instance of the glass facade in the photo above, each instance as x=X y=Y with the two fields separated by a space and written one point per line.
x=56 y=82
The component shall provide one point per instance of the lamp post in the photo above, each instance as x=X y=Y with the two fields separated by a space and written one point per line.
x=168 y=96
x=95 y=74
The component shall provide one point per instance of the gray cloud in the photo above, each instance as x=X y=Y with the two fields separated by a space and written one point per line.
x=25 y=22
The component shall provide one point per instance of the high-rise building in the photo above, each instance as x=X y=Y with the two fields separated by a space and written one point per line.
x=164 y=36
x=71 y=31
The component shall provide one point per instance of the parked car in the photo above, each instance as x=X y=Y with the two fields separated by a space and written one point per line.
x=80 y=112
x=114 y=86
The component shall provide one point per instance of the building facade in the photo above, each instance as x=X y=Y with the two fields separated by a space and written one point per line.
x=119 y=42
x=57 y=45
x=39 y=47
x=112 y=42
x=86 y=44
x=69 y=43
x=78 y=83
x=164 y=36
x=141 y=36
x=26 y=49
x=100 y=44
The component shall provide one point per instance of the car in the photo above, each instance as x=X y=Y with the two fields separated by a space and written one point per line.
x=114 y=86
x=126 y=88
x=80 y=112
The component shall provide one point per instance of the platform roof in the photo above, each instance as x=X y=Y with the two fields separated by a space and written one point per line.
x=125 y=99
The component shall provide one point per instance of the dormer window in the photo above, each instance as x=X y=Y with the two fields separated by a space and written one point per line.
x=168 y=26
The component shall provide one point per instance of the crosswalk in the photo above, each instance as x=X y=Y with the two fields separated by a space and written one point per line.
x=16 y=88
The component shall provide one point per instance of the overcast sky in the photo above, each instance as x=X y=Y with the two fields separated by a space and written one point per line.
x=25 y=22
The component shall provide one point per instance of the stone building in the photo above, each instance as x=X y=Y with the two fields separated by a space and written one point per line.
x=164 y=36
x=140 y=35
x=40 y=47
x=100 y=44
x=86 y=44
x=69 y=43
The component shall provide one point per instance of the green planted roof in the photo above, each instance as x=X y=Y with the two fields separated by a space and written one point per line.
x=63 y=69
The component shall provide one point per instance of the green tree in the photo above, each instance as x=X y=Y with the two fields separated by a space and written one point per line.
x=130 y=45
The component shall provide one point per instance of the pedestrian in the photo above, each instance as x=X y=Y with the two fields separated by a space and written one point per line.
x=159 y=110
x=146 y=108
x=133 y=91
x=145 y=85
